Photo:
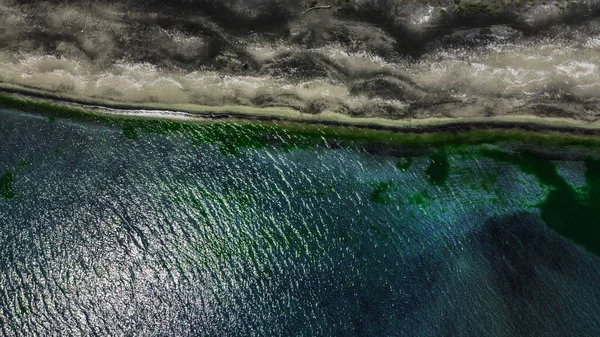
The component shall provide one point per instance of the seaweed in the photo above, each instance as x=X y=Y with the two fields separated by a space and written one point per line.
x=130 y=133
x=382 y=193
x=404 y=165
x=571 y=213
x=7 y=190
x=438 y=169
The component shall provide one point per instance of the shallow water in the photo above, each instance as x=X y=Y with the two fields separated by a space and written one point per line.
x=106 y=231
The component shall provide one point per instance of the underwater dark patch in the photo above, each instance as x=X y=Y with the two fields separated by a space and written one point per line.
x=404 y=164
x=438 y=169
x=573 y=214
x=7 y=190
x=381 y=193
x=130 y=133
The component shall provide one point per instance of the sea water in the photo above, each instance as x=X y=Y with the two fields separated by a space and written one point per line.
x=112 y=231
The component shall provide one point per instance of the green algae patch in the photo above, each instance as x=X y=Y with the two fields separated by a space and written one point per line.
x=404 y=164
x=23 y=163
x=576 y=215
x=439 y=169
x=52 y=110
x=231 y=138
x=297 y=135
x=571 y=213
x=130 y=133
x=235 y=134
x=382 y=193
x=7 y=190
x=419 y=199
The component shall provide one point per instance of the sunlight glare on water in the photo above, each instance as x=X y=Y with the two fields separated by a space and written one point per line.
x=115 y=233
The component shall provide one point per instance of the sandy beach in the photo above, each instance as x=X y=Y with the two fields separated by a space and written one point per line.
x=193 y=112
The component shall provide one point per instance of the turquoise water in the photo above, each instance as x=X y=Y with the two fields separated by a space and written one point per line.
x=112 y=231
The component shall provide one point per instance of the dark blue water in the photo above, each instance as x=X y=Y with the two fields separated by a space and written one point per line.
x=157 y=236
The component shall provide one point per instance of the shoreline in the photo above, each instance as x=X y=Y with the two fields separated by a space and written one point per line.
x=34 y=99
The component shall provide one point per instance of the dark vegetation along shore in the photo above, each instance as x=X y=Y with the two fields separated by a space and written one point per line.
x=419 y=135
